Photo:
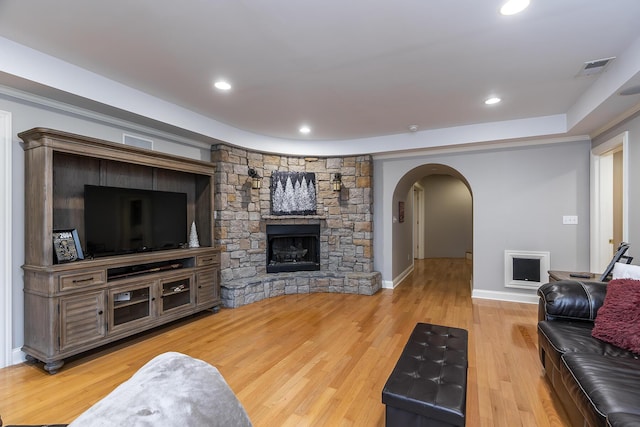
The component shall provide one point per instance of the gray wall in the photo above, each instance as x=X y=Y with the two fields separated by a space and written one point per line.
x=632 y=125
x=27 y=115
x=519 y=197
x=448 y=219
x=402 y=231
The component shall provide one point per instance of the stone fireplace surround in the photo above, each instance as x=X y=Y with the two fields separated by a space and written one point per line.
x=242 y=213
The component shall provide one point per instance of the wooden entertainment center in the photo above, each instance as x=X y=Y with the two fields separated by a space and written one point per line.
x=76 y=306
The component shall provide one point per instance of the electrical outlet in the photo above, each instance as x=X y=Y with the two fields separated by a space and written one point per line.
x=570 y=219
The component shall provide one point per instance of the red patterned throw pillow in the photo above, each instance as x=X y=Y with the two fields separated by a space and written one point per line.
x=618 y=320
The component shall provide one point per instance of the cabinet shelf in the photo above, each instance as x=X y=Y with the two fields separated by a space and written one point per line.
x=179 y=291
x=132 y=301
x=147 y=268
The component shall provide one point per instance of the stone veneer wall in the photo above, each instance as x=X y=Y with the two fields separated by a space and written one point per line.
x=345 y=218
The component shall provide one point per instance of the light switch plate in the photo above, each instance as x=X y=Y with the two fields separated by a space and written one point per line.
x=570 y=219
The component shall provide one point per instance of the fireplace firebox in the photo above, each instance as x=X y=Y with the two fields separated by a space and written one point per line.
x=293 y=247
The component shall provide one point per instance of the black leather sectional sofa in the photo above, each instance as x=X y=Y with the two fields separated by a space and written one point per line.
x=597 y=383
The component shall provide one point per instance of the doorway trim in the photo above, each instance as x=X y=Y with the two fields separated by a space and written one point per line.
x=418 y=221
x=619 y=141
x=6 y=282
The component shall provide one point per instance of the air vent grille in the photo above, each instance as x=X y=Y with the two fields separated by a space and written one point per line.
x=137 y=141
x=597 y=66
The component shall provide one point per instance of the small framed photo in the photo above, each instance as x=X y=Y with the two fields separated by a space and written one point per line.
x=66 y=246
x=401 y=211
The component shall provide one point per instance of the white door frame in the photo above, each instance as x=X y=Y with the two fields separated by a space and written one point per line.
x=418 y=221
x=621 y=140
x=6 y=283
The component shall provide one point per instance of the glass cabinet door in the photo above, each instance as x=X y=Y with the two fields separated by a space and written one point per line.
x=176 y=293
x=130 y=306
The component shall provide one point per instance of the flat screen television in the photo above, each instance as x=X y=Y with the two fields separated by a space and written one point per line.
x=123 y=220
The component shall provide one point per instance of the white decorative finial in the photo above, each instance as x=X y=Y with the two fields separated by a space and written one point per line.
x=193 y=236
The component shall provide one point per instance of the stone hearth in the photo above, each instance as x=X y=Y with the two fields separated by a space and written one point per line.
x=239 y=292
x=242 y=214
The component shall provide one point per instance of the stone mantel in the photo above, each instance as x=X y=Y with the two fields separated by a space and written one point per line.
x=346 y=236
x=292 y=217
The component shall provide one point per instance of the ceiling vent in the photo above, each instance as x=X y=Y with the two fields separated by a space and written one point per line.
x=591 y=68
x=137 y=141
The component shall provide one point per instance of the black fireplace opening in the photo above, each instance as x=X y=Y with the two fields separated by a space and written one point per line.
x=293 y=247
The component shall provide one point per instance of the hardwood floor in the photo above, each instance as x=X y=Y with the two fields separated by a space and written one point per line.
x=319 y=359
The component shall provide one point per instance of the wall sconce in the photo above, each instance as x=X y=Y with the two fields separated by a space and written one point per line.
x=336 y=183
x=256 y=179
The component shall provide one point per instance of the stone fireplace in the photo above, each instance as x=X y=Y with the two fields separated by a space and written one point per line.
x=244 y=216
x=293 y=247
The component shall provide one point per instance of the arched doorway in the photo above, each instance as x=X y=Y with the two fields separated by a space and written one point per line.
x=432 y=217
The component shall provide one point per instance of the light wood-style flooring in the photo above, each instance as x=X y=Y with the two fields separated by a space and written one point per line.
x=319 y=359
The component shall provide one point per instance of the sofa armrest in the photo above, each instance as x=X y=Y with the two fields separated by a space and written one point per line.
x=171 y=390
x=571 y=299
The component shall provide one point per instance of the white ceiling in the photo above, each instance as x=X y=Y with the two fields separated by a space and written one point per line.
x=359 y=72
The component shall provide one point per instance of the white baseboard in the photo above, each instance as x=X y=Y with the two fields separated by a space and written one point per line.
x=18 y=356
x=387 y=284
x=505 y=296
x=392 y=285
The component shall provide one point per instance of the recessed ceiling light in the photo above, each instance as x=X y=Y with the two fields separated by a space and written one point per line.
x=222 y=85
x=512 y=7
x=305 y=129
x=492 y=100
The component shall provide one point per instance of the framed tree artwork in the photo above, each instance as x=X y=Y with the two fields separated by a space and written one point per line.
x=293 y=193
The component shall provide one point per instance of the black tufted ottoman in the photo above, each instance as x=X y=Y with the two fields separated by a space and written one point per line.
x=428 y=386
